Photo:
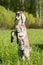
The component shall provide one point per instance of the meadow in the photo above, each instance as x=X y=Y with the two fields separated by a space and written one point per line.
x=9 y=51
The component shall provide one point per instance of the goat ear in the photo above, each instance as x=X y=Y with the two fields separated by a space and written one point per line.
x=21 y=19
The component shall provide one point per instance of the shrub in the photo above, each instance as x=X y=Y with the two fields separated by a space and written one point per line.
x=39 y=22
x=7 y=18
x=30 y=19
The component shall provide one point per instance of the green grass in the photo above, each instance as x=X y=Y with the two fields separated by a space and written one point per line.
x=9 y=51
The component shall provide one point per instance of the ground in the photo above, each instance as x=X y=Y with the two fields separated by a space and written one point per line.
x=9 y=51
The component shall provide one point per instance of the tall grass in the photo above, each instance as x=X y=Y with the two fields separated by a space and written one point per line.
x=9 y=51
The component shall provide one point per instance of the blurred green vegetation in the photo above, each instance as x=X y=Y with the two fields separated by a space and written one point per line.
x=7 y=19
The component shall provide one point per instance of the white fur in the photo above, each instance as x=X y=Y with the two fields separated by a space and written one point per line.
x=24 y=42
x=22 y=36
x=12 y=33
x=19 y=18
